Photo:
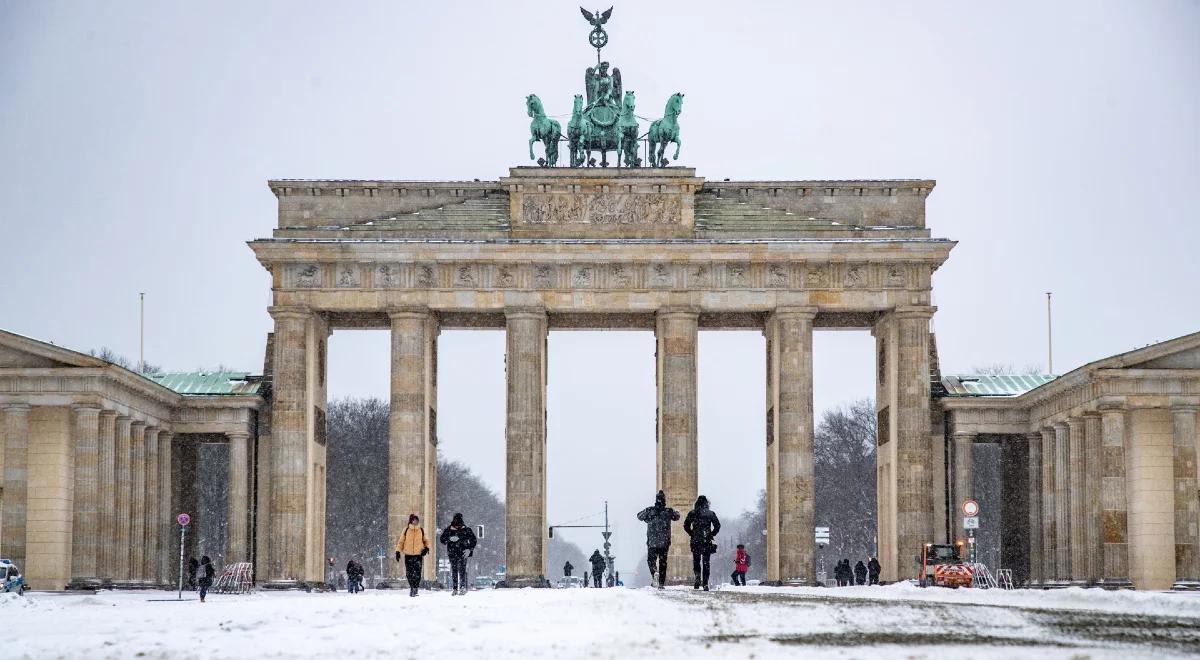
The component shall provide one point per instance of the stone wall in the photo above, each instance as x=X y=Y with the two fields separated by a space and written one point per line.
x=1151 y=499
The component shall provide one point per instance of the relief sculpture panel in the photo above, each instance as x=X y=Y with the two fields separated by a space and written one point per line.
x=601 y=209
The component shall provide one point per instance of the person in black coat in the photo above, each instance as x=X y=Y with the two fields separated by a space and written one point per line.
x=873 y=569
x=598 y=563
x=206 y=576
x=843 y=573
x=460 y=541
x=860 y=573
x=354 y=576
x=658 y=520
x=702 y=525
x=567 y=568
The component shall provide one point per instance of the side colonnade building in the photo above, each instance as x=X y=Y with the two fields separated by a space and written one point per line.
x=97 y=460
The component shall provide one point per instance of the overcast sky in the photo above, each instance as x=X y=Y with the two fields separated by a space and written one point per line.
x=136 y=140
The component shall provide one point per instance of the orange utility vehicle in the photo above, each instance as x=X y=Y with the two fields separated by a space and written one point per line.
x=942 y=566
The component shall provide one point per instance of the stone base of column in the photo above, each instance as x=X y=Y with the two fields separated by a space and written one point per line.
x=286 y=585
x=1186 y=585
x=85 y=584
x=537 y=582
x=1114 y=584
x=131 y=585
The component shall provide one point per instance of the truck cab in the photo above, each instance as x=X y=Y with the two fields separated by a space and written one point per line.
x=941 y=565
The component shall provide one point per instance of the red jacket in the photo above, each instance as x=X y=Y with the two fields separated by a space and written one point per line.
x=739 y=562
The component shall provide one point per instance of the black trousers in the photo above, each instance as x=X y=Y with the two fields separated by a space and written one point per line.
x=458 y=571
x=597 y=578
x=738 y=577
x=657 y=559
x=412 y=570
x=700 y=562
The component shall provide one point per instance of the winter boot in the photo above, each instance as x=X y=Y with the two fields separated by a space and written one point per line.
x=412 y=591
x=697 y=583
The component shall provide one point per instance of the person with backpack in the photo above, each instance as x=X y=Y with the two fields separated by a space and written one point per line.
x=873 y=569
x=598 y=564
x=412 y=546
x=658 y=520
x=206 y=571
x=702 y=525
x=741 y=564
x=354 y=576
x=458 y=539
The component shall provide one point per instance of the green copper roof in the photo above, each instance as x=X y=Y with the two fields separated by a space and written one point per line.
x=984 y=385
x=209 y=382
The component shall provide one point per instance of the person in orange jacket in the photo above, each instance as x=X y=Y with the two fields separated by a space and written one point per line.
x=413 y=546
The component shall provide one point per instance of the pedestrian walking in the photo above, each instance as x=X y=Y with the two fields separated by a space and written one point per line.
x=206 y=571
x=658 y=520
x=741 y=564
x=585 y=580
x=860 y=573
x=354 y=576
x=873 y=569
x=412 y=546
x=567 y=568
x=193 y=567
x=460 y=541
x=843 y=573
x=702 y=525
x=598 y=563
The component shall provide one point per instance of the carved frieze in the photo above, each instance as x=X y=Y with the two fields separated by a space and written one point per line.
x=662 y=276
x=306 y=276
x=387 y=276
x=602 y=208
x=816 y=277
x=894 y=276
x=348 y=276
x=855 y=276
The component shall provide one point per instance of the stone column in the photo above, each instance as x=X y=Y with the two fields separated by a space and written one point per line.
x=137 y=502
x=1049 y=508
x=290 y=423
x=409 y=427
x=1115 y=505
x=790 y=451
x=151 y=561
x=1062 y=501
x=165 y=524
x=1093 y=510
x=84 y=522
x=964 y=475
x=1036 y=575
x=121 y=489
x=239 y=498
x=16 y=483
x=106 y=497
x=914 y=501
x=676 y=337
x=1187 y=508
x=525 y=440
x=1078 y=512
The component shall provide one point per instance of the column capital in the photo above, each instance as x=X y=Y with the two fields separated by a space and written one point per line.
x=418 y=312
x=914 y=311
x=289 y=312
x=238 y=435
x=108 y=412
x=1074 y=422
x=531 y=312
x=85 y=407
x=797 y=312
x=1184 y=409
x=965 y=435
x=137 y=423
x=15 y=407
x=690 y=311
x=1060 y=425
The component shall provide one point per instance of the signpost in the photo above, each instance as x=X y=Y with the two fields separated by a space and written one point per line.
x=183 y=519
x=822 y=539
x=970 y=509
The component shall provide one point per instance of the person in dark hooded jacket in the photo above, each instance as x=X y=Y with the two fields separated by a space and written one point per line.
x=702 y=525
x=567 y=568
x=873 y=569
x=860 y=573
x=460 y=541
x=658 y=520
x=598 y=563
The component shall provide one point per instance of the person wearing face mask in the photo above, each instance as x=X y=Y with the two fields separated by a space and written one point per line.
x=412 y=546
x=460 y=543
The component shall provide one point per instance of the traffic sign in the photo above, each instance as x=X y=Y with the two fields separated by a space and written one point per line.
x=970 y=508
x=183 y=519
x=971 y=522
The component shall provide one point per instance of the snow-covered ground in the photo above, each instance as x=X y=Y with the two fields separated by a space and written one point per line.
x=754 y=622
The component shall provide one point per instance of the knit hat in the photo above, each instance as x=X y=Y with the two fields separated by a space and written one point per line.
x=457 y=520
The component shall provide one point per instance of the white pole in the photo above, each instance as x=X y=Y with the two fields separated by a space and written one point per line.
x=142 y=332
x=1049 y=338
x=182 y=533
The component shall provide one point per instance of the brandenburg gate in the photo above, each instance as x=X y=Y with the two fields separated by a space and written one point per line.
x=658 y=249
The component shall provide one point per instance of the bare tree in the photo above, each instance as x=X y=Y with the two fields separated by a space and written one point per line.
x=108 y=355
x=1006 y=369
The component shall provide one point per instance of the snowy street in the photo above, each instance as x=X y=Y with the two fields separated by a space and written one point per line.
x=758 y=622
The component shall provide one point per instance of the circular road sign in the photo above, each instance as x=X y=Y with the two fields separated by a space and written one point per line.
x=183 y=519
x=970 y=508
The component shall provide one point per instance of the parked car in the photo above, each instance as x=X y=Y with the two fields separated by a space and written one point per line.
x=569 y=582
x=11 y=578
x=483 y=582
